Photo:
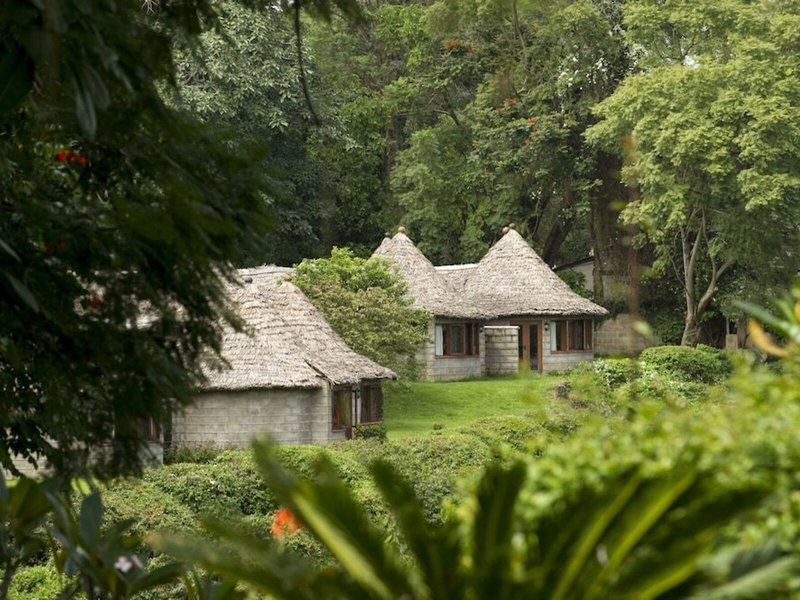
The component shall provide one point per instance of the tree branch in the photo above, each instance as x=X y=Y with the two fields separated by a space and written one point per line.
x=298 y=39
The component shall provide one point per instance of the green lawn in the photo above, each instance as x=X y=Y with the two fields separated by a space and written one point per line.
x=414 y=408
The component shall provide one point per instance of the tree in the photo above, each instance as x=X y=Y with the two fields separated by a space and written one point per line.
x=121 y=217
x=366 y=304
x=709 y=131
x=244 y=77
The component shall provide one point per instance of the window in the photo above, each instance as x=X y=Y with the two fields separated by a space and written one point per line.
x=458 y=339
x=572 y=336
x=341 y=416
x=371 y=403
x=149 y=429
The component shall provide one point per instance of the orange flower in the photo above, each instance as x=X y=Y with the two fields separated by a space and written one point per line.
x=532 y=120
x=284 y=522
x=471 y=50
x=511 y=101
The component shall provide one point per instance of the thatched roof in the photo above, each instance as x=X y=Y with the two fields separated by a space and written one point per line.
x=429 y=290
x=510 y=280
x=287 y=343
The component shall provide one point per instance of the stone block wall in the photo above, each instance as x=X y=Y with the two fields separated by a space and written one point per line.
x=501 y=349
x=616 y=336
x=233 y=418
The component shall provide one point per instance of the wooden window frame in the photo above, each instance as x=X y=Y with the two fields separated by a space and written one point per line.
x=372 y=395
x=336 y=417
x=470 y=340
x=149 y=430
x=564 y=333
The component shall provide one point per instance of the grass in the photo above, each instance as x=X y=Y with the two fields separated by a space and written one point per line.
x=413 y=408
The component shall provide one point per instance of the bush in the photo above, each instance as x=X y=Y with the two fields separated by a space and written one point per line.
x=203 y=454
x=41 y=582
x=433 y=464
x=151 y=508
x=517 y=432
x=702 y=364
x=221 y=488
x=368 y=431
x=614 y=372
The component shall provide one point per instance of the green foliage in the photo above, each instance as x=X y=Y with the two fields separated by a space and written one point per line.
x=244 y=76
x=595 y=518
x=576 y=281
x=98 y=562
x=122 y=217
x=366 y=304
x=701 y=364
x=38 y=582
x=704 y=130
x=229 y=488
x=205 y=453
x=146 y=507
x=370 y=431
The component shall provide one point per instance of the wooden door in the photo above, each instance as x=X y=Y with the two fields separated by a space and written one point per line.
x=530 y=344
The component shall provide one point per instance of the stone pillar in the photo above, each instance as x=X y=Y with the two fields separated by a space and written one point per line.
x=501 y=344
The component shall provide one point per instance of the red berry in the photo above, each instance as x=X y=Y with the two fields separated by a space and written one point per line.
x=96 y=301
x=61 y=246
x=61 y=156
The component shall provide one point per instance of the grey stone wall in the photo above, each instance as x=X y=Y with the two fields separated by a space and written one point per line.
x=25 y=467
x=233 y=418
x=616 y=336
x=501 y=349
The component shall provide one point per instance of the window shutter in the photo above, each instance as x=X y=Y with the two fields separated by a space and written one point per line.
x=439 y=339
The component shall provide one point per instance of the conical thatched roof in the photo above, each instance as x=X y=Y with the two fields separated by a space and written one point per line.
x=426 y=286
x=286 y=343
x=512 y=280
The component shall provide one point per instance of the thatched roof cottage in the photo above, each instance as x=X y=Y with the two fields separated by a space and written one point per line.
x=508 y=309
x=288 y=374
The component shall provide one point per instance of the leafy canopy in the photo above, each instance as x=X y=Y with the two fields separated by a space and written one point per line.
x=365 y=302
x=121 y=215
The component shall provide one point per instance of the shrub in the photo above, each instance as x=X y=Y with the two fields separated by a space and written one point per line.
x=150 y=508
x=202 y=454
x=368 y=431
x=613 y=372
x=517 y=432
x=702 y=364
x=432 y=465
x=221 y=488
x=41 y=582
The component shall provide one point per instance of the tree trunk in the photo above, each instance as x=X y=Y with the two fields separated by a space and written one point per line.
x=607 y=236
x=691 y=331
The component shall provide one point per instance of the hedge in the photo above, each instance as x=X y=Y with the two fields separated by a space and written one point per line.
x=701 y=364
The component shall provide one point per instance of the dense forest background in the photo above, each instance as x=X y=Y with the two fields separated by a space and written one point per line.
x=655 y=137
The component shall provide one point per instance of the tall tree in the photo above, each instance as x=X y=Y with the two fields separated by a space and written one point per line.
x=245 y=76
x=121 y=216
x=711 y=130
x=542 y=66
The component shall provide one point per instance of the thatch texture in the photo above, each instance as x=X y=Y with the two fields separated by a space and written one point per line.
x=426 y=286
x=286 y=343
x=510 y=280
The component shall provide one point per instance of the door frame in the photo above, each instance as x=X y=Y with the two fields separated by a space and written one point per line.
x=524 y=332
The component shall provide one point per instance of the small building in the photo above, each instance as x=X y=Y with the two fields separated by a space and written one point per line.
x=509 y=310
x=288 y=374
